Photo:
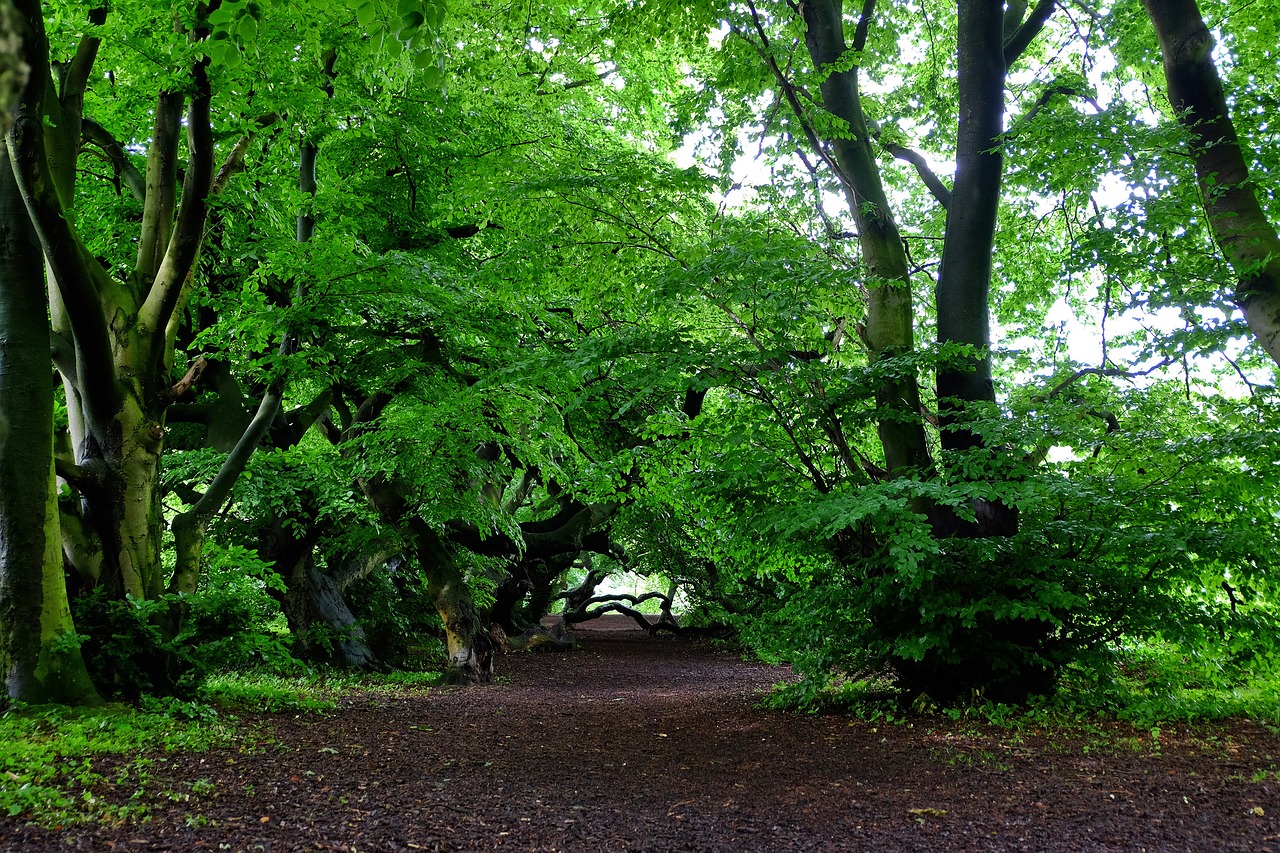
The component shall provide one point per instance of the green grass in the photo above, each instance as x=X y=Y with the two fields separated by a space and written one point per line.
x=49 y=757
x=315 y=693
x=52 y=757
x=268 y=693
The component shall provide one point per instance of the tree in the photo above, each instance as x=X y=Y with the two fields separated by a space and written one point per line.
x=1246 y=236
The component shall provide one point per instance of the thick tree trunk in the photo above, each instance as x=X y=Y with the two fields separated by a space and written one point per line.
x=134 y=513
x=1247 y=239
x=466 y=633
x=61 y=669
x=33 y=601
x=534 y=580
x=890 y=314
x=470 y=648
x=964 y=281
x=26 y=440
x=327 y=608
x=313 y=603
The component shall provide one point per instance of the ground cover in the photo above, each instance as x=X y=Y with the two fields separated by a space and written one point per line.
x=640 y=743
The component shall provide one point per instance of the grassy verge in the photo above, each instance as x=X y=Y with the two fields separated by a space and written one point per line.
x=55 y=761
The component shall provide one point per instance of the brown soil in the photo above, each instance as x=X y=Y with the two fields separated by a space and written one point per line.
x=639 y=743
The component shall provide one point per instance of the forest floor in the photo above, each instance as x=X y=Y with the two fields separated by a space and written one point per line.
x=640 y=743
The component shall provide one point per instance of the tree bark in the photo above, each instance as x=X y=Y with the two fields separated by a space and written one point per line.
x=1248 y=240
x=890 y=314
x=26 y=440
x=964 y=280
x=36 y=661
x=466 y=634
x=328 y=608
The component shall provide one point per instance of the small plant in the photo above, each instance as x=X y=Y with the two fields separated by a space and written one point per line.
x=267 y=693
x=49 y=755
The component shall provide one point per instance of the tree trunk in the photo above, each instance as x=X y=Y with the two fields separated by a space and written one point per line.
x=466 y=633
x=61 y=669
x=1247 y=239
x=467 y=636
x=33 y=605
x=964 y=280
x=890 y=314
x=327 y=607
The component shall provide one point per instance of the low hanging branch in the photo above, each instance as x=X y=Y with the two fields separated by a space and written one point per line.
x=614 y=604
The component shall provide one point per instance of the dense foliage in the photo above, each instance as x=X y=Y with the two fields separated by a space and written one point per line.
x=915 y=344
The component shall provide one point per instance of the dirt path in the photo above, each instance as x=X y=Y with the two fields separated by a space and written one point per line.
x=654 y=744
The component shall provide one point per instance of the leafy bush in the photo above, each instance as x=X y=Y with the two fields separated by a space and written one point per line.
x=1153 y=536
x=398 y=615
x=169 y=645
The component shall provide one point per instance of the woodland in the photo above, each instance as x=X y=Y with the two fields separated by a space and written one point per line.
x=929 y=348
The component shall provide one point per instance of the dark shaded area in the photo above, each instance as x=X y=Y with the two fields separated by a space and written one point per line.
x=654 y=743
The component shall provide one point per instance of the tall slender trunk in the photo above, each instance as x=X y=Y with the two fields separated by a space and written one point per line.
x=890 y=320
x=1248 y=240
x=964 y=280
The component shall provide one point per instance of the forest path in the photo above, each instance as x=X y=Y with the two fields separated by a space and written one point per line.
x=639 y=743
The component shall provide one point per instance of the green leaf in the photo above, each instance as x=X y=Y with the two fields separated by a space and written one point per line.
x=425 y=60
x=247 y=31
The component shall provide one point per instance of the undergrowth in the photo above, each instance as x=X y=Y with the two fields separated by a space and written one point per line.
x=1146 y=687
x=316 y=693
x=54 y=760
x=50 y=755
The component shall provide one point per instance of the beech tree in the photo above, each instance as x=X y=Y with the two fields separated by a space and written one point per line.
x=368 y=297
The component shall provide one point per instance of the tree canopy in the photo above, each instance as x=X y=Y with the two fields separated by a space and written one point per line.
x=930 y=343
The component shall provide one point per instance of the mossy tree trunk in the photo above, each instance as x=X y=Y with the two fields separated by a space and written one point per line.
x=38 y=656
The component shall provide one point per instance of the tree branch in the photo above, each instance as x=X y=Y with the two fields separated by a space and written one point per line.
x=192 y=376
x=936 y=187
x=864 y=25
x=75 y=78
x=116 y=155
x=160 y=192
x=233 y=163
x=188 y=233
x=1105 y=371
x=1026 y=33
